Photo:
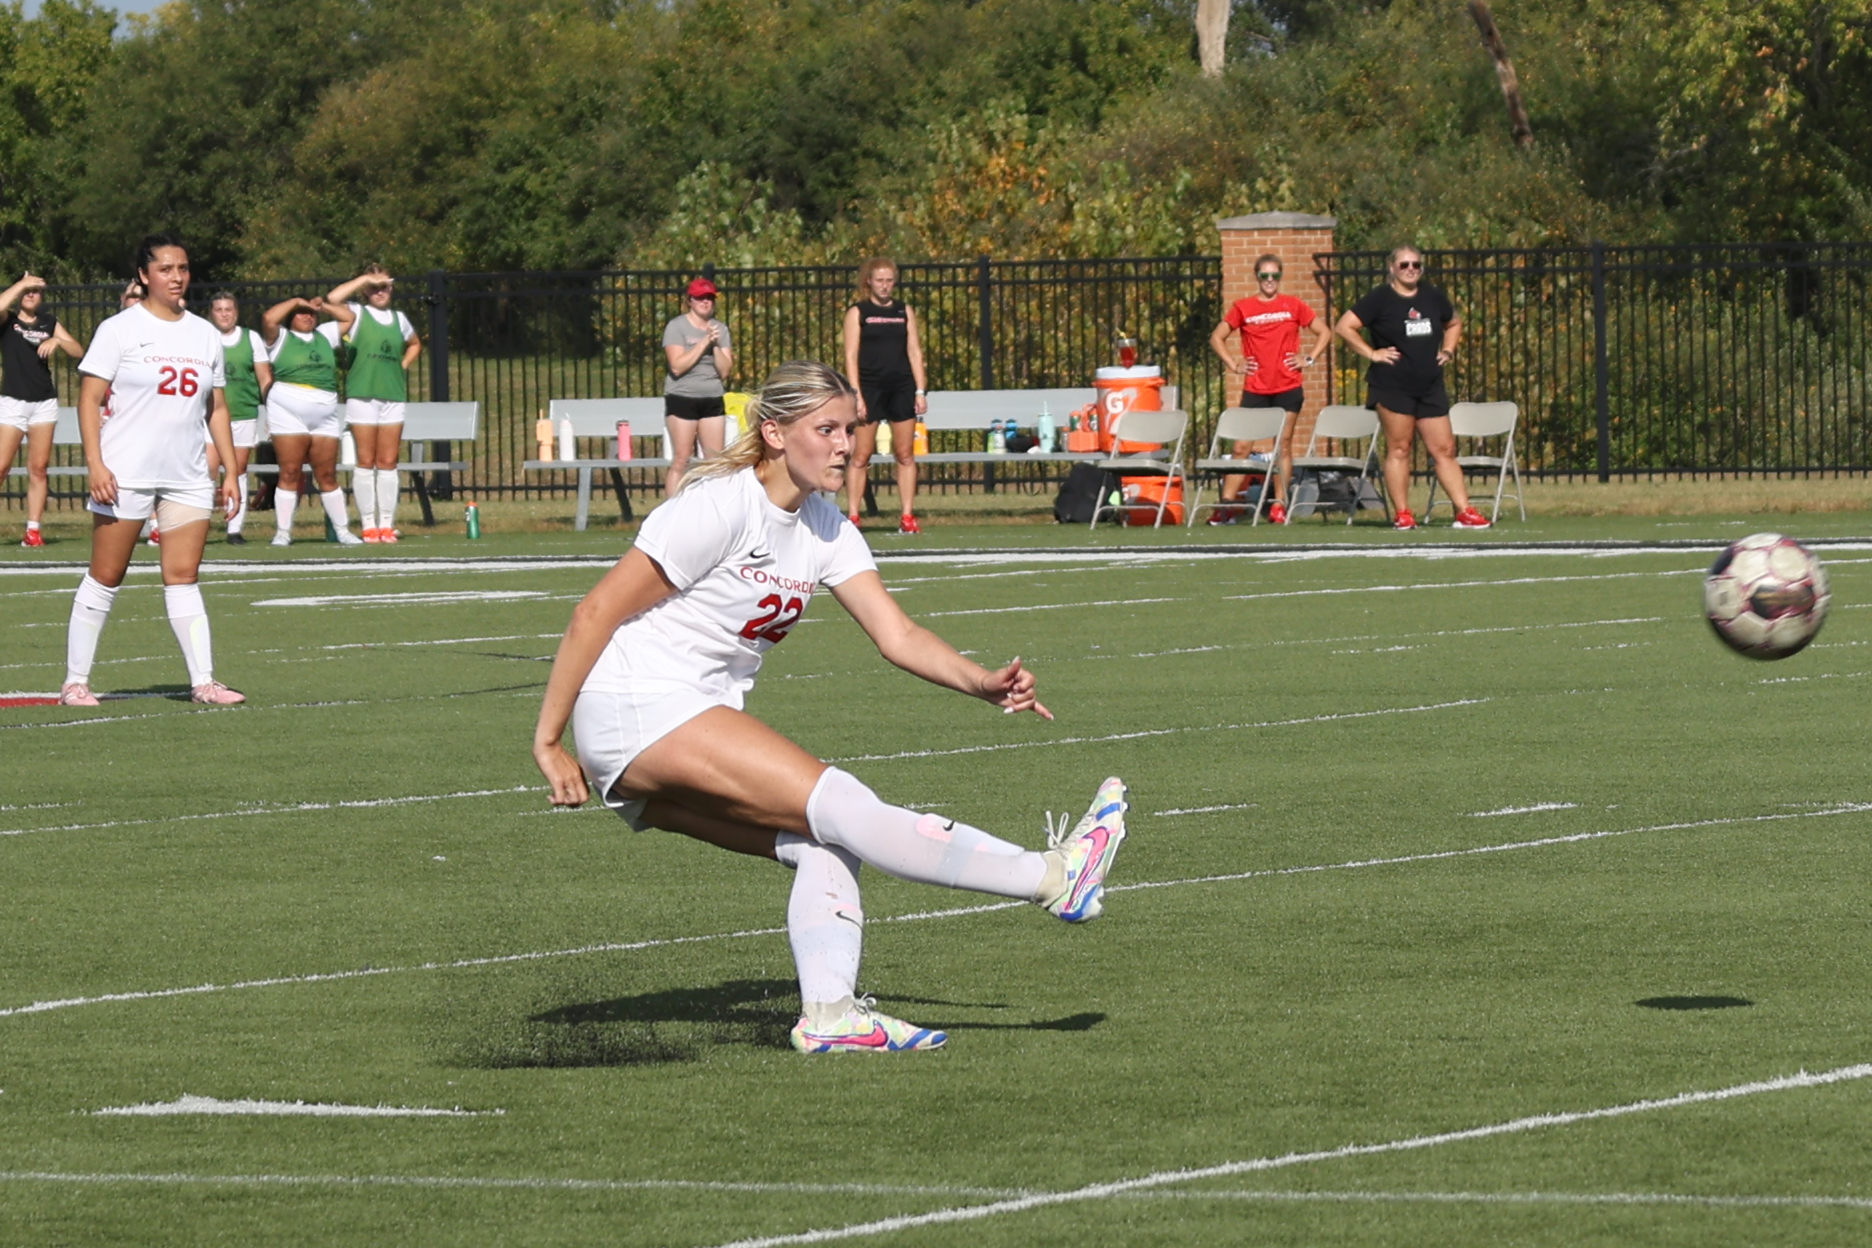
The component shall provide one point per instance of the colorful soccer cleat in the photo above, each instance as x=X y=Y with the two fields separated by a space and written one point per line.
x=1088 y=851
x=1470 y=518
x=77 y=694
x=33 y=539
x=861 y=1029
x=214 y=693
x=371 y=537
x=388 y=536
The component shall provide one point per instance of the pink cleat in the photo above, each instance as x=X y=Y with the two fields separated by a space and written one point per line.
x=214 y=693
x=77 y=694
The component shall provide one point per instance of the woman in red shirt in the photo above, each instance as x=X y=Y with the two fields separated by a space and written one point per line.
x=1269 y=324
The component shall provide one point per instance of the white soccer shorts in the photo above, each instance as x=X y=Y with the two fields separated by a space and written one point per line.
x=172 y=508
x=612 y=729
x=302 y=410
x=21 y=415
x=373 y=412
x=246 y=433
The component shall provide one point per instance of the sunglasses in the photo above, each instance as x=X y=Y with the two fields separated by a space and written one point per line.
x=702 y=298
x=1269 y=276
x=1410 y=264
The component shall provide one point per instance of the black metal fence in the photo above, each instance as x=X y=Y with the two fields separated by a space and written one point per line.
x=1643 y=361
x=1625 y=360
x=516 y=341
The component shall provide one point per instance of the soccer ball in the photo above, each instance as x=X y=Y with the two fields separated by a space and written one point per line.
x=1766 y=596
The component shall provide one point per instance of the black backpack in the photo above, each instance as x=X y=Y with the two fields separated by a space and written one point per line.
x=1079 y=496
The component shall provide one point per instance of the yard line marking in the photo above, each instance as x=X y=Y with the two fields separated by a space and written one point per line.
x=412 y=599
x=1526 y=1198
x=1052 y=606
x=1205 y=810
x=1523 y=810
x=1163 y=732
x=439 y=641
x=1164 y=1178
x=186 y=1104
x=1510 y=580
x=282 y=809
x=549 y=1185
x=40 y=1007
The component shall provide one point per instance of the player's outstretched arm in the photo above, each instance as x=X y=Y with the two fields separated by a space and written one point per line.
x=279 y=314
x=12 y=294
x=633 y=586
x=922 y=653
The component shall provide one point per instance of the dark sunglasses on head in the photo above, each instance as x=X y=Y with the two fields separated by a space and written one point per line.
x=1410 y=264
x=1269 y=276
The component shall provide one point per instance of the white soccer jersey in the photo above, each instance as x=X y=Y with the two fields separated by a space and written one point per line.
x=160 y=374
x=383 y=316
x=745 y=571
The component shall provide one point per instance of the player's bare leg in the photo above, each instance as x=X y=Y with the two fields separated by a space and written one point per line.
x=682 y=444
x=864 y=446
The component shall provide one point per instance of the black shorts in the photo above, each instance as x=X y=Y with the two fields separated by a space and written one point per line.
x=1432 y=402
x=1286 y=400
x=889 y=400
x=683 y=407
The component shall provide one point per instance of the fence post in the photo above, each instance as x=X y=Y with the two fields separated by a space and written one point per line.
x=1601 y=369
x=987 y=324
x=442 y=484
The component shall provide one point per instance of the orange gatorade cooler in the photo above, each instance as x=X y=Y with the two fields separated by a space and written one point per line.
x=1121 y=390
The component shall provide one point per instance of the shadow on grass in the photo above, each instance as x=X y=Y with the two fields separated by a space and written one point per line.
x=680 y=1025
x=1693 y=1003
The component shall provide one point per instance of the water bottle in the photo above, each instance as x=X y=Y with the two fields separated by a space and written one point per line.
x=473 y=517
x=1045 y=430
x=568 y=449
x=997 y=440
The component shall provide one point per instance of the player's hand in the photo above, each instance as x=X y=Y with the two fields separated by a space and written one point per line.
x=1294 y=361
x=1251 y=366
x=103 y=484
x=922 y=406
x=1012 y=689
x=46 y=349
x=563 y=773
x=230 y=497
x=31 y=283
x=1386 y=355
x=859 y=400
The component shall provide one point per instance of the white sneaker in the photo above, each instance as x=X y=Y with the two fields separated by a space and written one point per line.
x=347 y=538
x=282 y=539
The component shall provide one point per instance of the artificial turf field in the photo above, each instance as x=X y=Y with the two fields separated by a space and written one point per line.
x=1449 y=878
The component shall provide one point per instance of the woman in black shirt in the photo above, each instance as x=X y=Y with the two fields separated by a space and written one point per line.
x=884 y=362
x=1414 y=330
x=28 y=399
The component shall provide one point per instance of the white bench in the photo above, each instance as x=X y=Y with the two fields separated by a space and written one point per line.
x=598 y=418
x=422 y=422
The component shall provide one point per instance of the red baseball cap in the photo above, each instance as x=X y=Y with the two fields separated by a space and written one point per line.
x=700 y=287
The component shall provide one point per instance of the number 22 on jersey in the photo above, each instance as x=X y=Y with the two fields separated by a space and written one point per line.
x=778 y=619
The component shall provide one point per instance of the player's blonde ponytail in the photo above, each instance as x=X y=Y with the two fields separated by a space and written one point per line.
x=794 y=391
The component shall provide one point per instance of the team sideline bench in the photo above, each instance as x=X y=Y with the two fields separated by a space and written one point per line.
x=422 y=422
x=598 y=418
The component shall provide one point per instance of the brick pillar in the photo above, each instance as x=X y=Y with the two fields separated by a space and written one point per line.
x=1295 y=237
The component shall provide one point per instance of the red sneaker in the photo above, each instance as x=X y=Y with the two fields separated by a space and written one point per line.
x=1404 y=520
x=1277 y=514
x=908 y=526
x=388 y=536
x=155 y=537
x=853 y=517
x=33 y=538
x=1470 y=518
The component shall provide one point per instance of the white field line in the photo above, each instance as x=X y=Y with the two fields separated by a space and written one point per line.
x=186 y=1104
x=1524 y=810
x=294 y=808
x=500 y=1184
x=410 y=599
x=41 y=1007
x=1523 y=1198
x=1165 y=1178
x=1205 y=810
x=1051 y=606
x=1489 y=584
x=1163 y=732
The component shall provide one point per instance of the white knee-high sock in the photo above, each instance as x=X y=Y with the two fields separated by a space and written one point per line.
x=364 y=489
x=335 y=508
x=239 y=518
x=90 y=608
x=927 y=849
x=825 y=925
x=188 y=618
x=285 y=502
x=389 y=481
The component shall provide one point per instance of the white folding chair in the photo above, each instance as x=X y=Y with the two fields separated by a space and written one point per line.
x=1477 y=421
x=1341 y=423
x=1165 y=431
x=1238 y=424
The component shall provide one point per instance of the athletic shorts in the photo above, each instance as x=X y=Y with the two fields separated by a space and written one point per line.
x=246 y=433
x=612 y=729
x=172 y=508
x=1432 y=402
x=21 y=414
x=373 y=412
x=1286 y=400
x=687 y=407
x=302 y=410
x=889 y=400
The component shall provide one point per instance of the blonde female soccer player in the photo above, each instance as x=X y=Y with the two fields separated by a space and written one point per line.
x=302 y=408
x=659 y=656
x=160 y=365
x=383 y=346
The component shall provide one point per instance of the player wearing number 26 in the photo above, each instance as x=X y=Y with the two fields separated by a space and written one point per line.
x=659 y=656
x=163 y=370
